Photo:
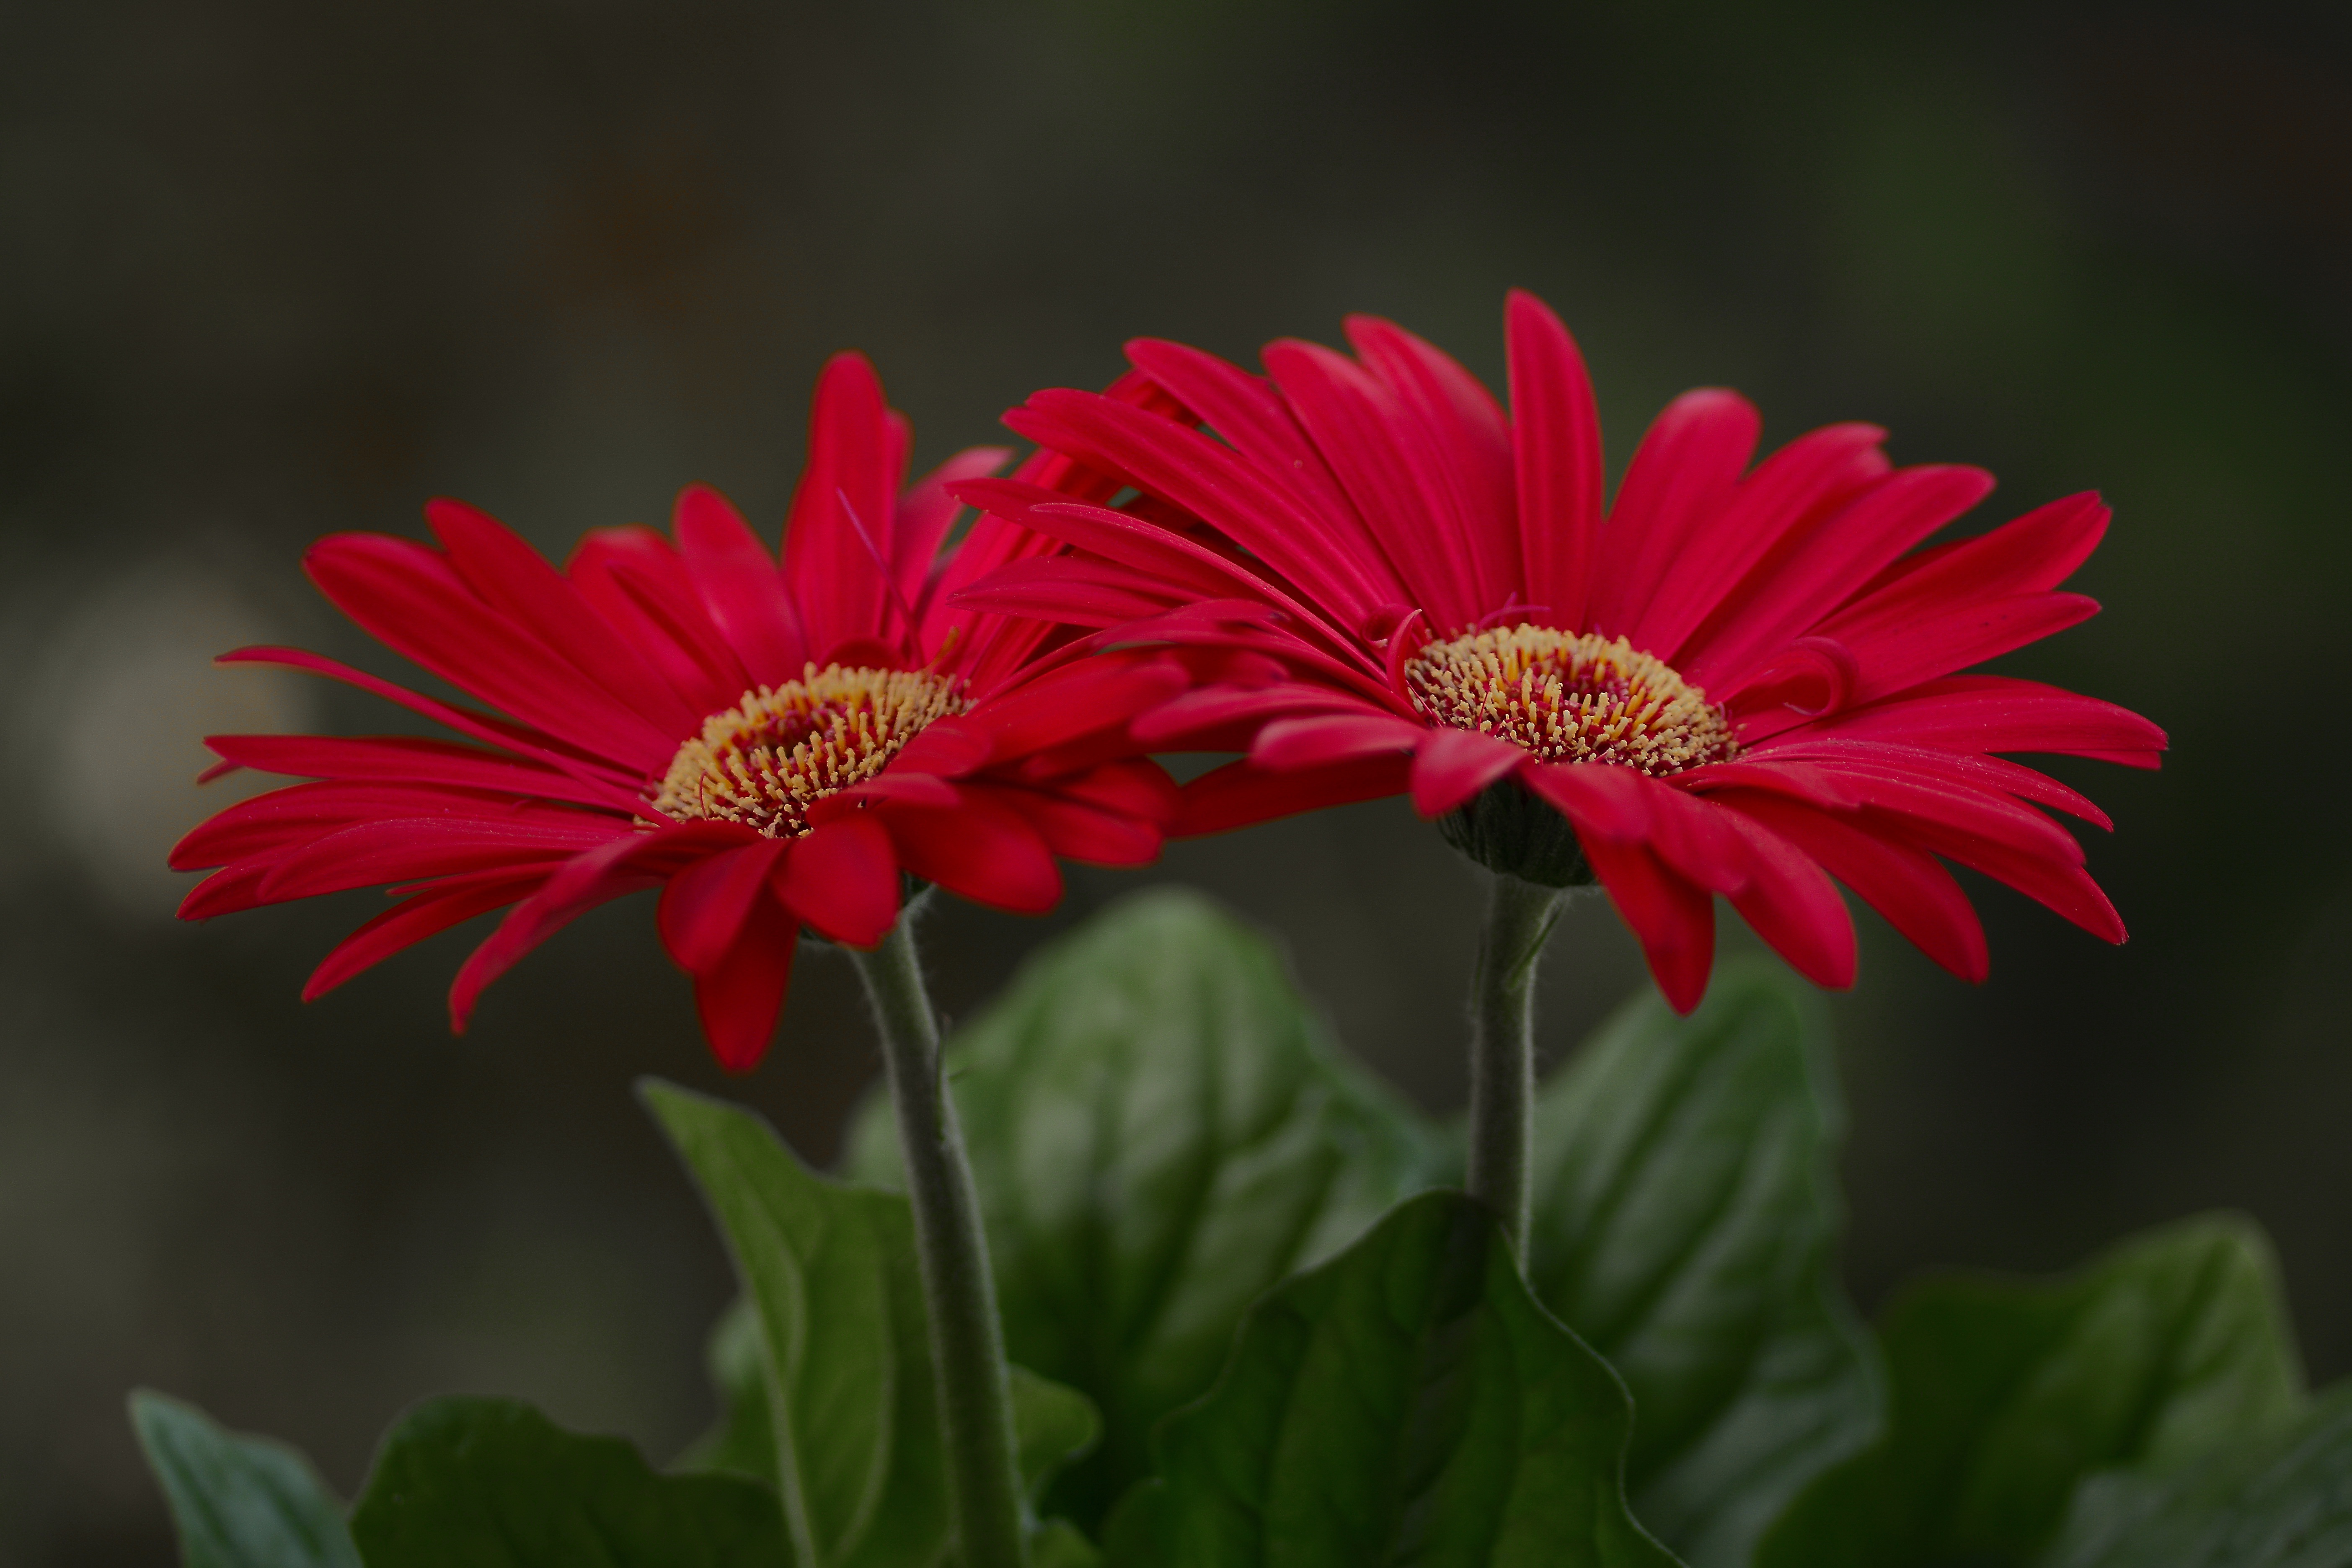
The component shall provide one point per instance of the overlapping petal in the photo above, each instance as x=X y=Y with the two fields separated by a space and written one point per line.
x=595 y=677
x=1374 y=503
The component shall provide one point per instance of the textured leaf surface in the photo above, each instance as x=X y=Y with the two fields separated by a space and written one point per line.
x=1408 y=1402
x=1683 y=1222
x=830 y=1271
x=2004 y=1397
x=238 y=1503
x=491 y=1483
x=1159 y=1134
x=2282 y=1503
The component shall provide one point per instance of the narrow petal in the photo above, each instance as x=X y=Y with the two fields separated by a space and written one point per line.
x=1827 y=566
x=1682 y=477
x=1450 y=766
x=703 y=908
x=1599 y=801
x=515 y=580
x=1077 y=831
x=403 y=759
x=1132 y=786
x=1242 y=794
x=843 y=880
x=1788 y=495
x=738 y=585
x=1314 y=550
x=1907 y=886
x=1999 y=713
x=2032 y=554
x=367 y=854
x=1673 y=921
x=1291 y=743
x=1790 y=903
x=979 y=851
x=415 y=917
x=1893 y=655
x=739 y=998
x=929 y=510
x=1556 y=449
x=575 y=887
x=1468 y=446
x=838 y=533
x=2061 y=886
x=407 y=597
x=1366 y=437
x=636 y=582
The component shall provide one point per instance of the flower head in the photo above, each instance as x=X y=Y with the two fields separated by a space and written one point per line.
x=1732 y=680
x=770 y=743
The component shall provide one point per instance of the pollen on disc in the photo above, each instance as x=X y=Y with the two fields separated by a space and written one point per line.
x=1570 y=697
x=765 y=761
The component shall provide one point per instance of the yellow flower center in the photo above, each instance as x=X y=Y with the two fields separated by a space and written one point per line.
x=765 y=761
x=1570 y=697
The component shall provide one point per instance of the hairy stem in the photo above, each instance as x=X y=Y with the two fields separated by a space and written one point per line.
x=1520 y=918
x=966 y=1341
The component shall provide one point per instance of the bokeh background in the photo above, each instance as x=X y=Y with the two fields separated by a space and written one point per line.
x=271 y=270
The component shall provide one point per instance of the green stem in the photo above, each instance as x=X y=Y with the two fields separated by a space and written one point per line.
x=1520 y=918
x=966 y=1341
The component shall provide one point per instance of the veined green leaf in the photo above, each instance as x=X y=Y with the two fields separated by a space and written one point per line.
x=2004 y=1395
x=2283 y=1502
x=824 y=1365
x=238 y=1503
x=1159 y=1132
x=1683 y=1221
x=491 y=1483
x=1408 y=1402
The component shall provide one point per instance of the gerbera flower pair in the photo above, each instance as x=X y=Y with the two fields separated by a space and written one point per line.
x=1359 y=573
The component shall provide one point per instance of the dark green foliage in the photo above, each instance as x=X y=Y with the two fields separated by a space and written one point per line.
x=1408 y=1402
x=1160 y=1134
x=1682 y=1225
x=491 y=1483
x=2004 y=1397
x=238 y=1503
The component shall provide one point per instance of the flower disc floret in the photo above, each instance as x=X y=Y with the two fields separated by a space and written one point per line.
x=1570 y=697
x=765 y=761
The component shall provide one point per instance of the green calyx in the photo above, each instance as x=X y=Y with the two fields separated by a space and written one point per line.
x=1506 y=828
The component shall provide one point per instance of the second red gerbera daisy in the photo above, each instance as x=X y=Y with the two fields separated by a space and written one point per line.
x=769 y=744
x=1733 y=680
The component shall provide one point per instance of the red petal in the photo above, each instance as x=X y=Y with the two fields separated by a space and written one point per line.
x=1556 y=445
x=517 y=580
x=1999 y=713
x=1905 y=884
x=416 y=917
x=739 y=999
x=927 y=511
x=1287 y=744
x=1450 y=766
x=577 y=887
x=1600 y=801
x=703 y=908
x=979 y=851
x=408 y=598
x=837 y=536
x=1241 y=794
x=1132 y=786
x=738 y=585
x=1789 y=903
x=1468 y=444
x=1825 y=568
x=401 y=851
x=637 y=580
x=403 y=759
x=1673 y=921
x=1077 y=831
x=843 y=880
x=1681 y=478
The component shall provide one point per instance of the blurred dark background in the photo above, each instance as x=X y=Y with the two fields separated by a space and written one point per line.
x=271 y=270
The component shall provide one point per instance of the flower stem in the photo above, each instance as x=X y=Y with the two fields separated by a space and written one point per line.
x=1520 y=918
x=966 y=1341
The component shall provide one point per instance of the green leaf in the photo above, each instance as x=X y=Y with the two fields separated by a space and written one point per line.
x=831 y=1273
x=2003 y=1395
x=1684 y=1223
x=238 y=1503
x=824 y=1365
x=1408 y=1402
x=2284 y=1502
x=491 y=1483
x=1159 y=1132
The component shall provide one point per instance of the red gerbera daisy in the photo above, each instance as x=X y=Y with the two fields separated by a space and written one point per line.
x=1731 y=680
x=769 y=745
